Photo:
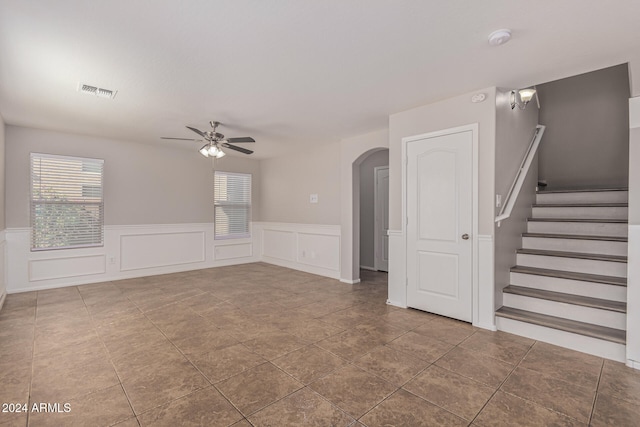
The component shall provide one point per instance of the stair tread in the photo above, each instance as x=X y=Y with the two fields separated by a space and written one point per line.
x=583 y=190
x=595 y=257
x=585 y=277
x=603 y=304
x=567 y=325
x=575 y=236
x=596 y=220
x=580 y=205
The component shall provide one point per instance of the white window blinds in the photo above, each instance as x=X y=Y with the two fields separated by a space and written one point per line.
x=232 y=205
x=67 y=209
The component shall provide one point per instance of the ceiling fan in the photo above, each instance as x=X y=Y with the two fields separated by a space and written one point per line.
x=216 y=140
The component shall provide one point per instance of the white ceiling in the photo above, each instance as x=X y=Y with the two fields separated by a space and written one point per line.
x=290 y=73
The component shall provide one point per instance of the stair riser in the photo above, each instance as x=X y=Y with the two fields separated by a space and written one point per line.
x=573 y=287
x=595 y=346
x=591 y=315
x=581 y=228
x=584 y=197
x=581 y=212
x=605 y=268
x=602 y=247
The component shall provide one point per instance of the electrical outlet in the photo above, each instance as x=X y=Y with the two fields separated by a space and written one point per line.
x=313 y=198
x=498 y=200
x=112 y=260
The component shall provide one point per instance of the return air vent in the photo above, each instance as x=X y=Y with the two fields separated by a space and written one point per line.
x=97 y=91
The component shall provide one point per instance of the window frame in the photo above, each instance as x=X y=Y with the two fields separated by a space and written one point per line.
x=221 y=204
x=96 y=166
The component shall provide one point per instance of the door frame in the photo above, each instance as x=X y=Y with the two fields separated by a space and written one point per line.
x=475 y=307
x=376 y=230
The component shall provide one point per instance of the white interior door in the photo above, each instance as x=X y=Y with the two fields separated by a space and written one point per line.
x=439 y=223
x=381 y=215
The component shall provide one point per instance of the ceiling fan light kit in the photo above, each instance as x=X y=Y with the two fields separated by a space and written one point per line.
x=215 y=141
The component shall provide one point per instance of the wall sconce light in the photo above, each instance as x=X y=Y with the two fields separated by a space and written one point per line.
x=525 y=96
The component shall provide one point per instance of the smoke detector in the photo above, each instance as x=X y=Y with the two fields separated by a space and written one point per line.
x=499 y=37
x=100 y=92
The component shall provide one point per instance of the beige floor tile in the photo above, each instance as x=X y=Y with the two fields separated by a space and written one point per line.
x=206 y=407
x=447 y=330
x=310 y=330
x=621 y=382
x=200 y=341
x=60 y=379
x=455 y=393
x=405 y=409
x=499 y=345
x=304 y=407
x=353 y=390
x=568 y=365
x=551 y=392
x=420 y=346
x=257 y=387
x=505 y=409
x=274 y=344
x=101 y=408
x=610 y=411
x=226 y=362
x=308 y=364
x=484 y=369
x=350 y=344
x=392 y=365
x=159 y=384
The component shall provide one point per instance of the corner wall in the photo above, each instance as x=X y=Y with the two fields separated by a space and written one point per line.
x=3 y=243
x=633 y=261
x=514 y=131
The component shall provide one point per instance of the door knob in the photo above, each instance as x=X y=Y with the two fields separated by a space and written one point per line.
x=465 y=236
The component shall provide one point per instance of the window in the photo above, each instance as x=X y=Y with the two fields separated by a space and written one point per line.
x=67 y=209
x=232 y=205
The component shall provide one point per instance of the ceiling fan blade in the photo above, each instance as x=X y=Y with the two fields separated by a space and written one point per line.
x=241 y=139
x=181 y=139
x=233 y=147
x=199 y=132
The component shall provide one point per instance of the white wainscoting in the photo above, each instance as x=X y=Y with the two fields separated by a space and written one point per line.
x=633 y=297
x=397 y=269
x=306 y=247
x=485 y=302
x=137 y=250
x=128 y=251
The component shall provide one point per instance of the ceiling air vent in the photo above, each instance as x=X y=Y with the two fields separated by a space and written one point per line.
x=97 y=91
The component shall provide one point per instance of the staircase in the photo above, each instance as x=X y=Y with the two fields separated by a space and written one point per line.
x=569 y=286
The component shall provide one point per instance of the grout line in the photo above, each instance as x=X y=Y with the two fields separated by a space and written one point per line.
x=595 y=397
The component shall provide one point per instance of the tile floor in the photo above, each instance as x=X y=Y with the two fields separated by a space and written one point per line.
x=266 y=346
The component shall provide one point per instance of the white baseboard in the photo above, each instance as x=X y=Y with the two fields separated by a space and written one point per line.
x=366 y=267
x=350 y=282
x=396 y=304
x=3 y=297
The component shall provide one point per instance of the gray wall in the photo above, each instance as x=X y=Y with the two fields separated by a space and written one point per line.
x=514 y=131
x=144 y=184
x=367 y=206
x=288 y=181
x=586 y=143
